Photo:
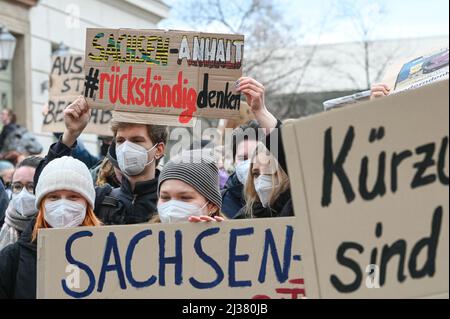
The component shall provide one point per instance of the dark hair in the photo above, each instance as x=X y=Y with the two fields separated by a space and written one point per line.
x=157 y=133
x=111 y=155
x=241 y=134
x=12 y=115
x=31 y=161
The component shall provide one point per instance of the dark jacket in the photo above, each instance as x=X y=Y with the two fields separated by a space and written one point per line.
x=4 y=201
x=122 y=206
x=18 y=268
x=81 y=153
x=232 y=197
x=114 y=206
x=283 y=206
x=7 y=129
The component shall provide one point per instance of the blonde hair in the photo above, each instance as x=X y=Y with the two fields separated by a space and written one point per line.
x=106 y=170
x=89 y=220
x=280 y=181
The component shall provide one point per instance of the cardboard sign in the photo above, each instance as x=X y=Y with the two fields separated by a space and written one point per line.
x=66 y=84
x=238 y=259
x=171 y=73
x=370 y=190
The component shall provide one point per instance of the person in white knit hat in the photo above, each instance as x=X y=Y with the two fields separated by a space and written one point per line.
x=65 y=197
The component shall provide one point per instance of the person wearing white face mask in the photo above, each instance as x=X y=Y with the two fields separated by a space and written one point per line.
x=188 y=190
x=267 y=191
x=138 y=148
x=21 y=208
x=269 y=166
x=65 y=197
x=244 y=141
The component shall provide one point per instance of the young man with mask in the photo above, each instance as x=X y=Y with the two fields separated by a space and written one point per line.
x=21 y=208
x=244 y=140
x=139 y=148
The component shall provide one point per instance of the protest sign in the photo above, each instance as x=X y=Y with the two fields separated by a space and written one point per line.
x=418 y=71
x=172 y=73
x=239 y=259
x=66 y=84
x=370 y=191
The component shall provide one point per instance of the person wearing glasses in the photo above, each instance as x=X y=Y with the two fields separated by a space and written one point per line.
x=21 y=208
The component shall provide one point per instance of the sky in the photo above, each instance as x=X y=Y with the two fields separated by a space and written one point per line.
x=402 y=19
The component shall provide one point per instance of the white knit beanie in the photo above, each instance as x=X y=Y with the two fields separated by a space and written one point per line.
x=65 y=173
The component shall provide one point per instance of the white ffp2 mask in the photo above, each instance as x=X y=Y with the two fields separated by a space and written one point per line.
x=64 y=213
x=264 y=186
x=132 y=158
x=242 y=171
x=24 y=203
x=175 y=211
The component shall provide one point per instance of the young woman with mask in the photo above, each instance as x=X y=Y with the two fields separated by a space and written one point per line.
x=244 y=141
x=267 y=191
x=188 y=190
x=65 y=197
x=139 y=148
x=21 y=208
x=254 y=93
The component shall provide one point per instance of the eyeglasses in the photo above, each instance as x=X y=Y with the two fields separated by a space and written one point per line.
x=17 y=187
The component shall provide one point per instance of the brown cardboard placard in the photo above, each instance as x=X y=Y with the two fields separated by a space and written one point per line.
x=242 y=259
x=172 y=73
x=66 y=84
x=369 y=181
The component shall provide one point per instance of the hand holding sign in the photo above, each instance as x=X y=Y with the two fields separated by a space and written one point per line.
x=379 y=90
x=76 y=118
x=254 y=93
x=206 y=219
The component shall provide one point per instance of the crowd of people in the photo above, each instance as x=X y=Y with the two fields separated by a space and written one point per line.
x=128 y=185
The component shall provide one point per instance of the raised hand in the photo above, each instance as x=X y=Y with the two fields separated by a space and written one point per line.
x=379 y=90
x=76 y=118
x=255 y=95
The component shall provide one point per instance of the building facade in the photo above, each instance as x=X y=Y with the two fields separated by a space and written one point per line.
x=39 y=27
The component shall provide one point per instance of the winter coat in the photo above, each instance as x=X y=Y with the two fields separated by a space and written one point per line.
x=18 y=268
x=232 y=197
x=4 y=202
x=7 y=129
x=282 y=207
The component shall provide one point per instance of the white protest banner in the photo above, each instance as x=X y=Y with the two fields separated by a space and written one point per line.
x=66 y=84
x=370 y=191
x=174 y=75
x=257 y=259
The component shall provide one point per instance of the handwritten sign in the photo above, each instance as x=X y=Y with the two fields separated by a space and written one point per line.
x=371 y=195
x=66 y=84
x=257 y=259
x=171 y=73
